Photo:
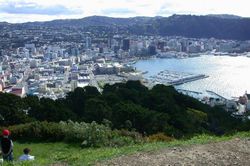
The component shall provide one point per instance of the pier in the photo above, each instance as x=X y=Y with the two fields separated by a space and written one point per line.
x=216 y=94
x=167 y=77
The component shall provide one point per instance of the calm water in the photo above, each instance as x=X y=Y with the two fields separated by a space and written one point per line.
x=228 y=76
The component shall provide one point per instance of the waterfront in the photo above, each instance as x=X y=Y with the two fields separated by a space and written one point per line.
x=228 y=76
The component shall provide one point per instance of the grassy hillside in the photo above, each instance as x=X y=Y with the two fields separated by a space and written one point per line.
x=70 y=154
x=89 y=124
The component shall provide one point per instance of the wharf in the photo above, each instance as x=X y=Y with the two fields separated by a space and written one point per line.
x=167 y=77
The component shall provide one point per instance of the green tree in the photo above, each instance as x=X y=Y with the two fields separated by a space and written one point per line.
x=97 y=110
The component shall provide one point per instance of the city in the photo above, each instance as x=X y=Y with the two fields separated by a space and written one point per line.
x=51 y=62
x=128 y=82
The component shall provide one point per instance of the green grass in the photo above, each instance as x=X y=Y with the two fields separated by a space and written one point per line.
x=51 y=153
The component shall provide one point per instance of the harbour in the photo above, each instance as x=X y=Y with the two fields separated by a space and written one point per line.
x=226 y=77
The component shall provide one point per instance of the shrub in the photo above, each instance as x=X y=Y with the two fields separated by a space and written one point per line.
x=84 y=134
x=37 y=131
x=88 y=134
x=160 y=137
x=118 y=141
x=137 y=137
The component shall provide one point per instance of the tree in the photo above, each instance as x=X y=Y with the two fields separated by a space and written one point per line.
x=97 y=110
x=12 y=110
x=76 y=101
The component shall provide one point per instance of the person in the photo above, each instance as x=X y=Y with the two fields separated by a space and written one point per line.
x=26 y=155
x=6 y=146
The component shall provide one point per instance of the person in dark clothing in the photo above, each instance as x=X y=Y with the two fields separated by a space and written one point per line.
x=7 y=146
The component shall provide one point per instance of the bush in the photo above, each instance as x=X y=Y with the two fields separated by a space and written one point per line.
x=37 y=131
x=85 y=134
x=135 y=135
x=159 y=137
x=88 y=134
x=118 y=141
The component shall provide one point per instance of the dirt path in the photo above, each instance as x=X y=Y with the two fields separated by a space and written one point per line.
x=233 y=152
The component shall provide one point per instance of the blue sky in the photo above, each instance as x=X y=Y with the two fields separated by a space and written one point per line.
x=42 y=10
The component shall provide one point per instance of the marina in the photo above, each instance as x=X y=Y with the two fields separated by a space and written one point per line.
x=168 y=77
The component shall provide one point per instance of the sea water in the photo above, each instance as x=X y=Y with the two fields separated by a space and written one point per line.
x=228 y=76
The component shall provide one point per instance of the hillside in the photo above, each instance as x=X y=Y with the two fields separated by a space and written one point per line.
x=217 y=26
x=226 y=150
x=87 y=126
x=130 y=106
x=232 y=152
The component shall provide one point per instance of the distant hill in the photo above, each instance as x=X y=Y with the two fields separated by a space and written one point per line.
x=217 y=26
x=225 y=16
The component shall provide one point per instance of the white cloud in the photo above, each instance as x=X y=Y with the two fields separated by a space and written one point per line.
x=54 y=9
x=34 y=8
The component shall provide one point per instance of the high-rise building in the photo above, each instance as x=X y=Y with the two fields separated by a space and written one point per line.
x=110 y=42
x=116 y=49
x=151 y=50
x=74 y=51
x=88 y=42
x=126 y=44
x=101 y=50
x=31 y=48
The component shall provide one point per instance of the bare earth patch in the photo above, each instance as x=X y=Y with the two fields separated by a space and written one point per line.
x=233 y=152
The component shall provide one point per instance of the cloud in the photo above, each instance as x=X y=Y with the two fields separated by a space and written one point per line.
x=34 y=8
x=165 y=10
x=119 y=11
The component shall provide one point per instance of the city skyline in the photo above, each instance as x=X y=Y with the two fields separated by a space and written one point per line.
x=16 y=11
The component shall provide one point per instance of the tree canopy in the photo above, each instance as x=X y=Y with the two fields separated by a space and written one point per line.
x=128 y=105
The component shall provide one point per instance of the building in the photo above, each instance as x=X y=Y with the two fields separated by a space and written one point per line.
x=152 y=50
x=1 y=87
x=74 y=85
x=18 y=91
x=88 y=42
x=194 y=48
x=106 y=69
x=126 y=44
x=33 y=63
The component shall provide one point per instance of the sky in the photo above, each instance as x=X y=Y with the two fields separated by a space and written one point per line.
x=16 y=11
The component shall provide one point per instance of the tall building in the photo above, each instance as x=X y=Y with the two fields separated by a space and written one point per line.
x=125 y=44
x=31 y=48
x=74 y=51
x=152 y=50
x=88 y=42
x=116 y=49
x=110 y=41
